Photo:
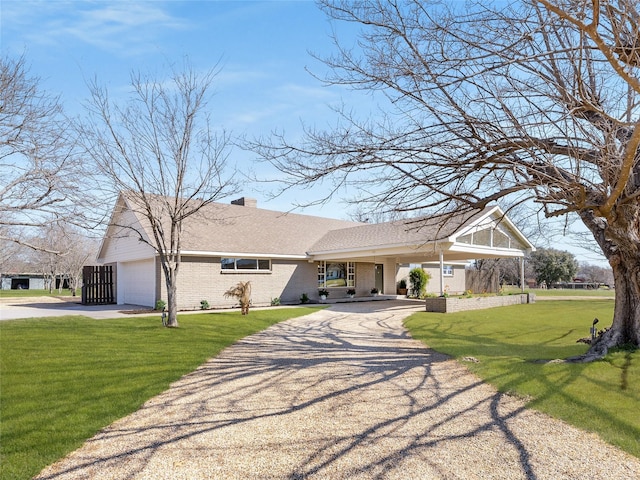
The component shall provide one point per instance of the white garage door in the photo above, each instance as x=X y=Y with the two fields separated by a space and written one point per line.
x=137 y=283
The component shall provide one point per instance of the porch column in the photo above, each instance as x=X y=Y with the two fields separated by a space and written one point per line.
x=522 y=274
x=389 y=276
x=441 y=273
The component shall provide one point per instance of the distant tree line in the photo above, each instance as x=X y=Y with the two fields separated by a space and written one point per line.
x=548 y=267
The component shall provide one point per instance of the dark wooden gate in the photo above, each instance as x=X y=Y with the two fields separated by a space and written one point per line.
x=97 y=285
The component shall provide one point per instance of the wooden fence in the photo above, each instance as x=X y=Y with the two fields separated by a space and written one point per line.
x=482 y=281
x=98 y=285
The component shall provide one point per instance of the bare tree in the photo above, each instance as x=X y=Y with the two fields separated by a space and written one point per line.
x=39 y=175
x=507 y=269
x=595 y=274
x=48 y=248
x=536 y=101
x=160 y=150
x=79 y=250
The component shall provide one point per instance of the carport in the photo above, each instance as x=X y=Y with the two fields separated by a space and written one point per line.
x=456 y=238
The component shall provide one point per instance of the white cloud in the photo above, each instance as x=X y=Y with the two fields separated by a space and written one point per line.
x=118 y=26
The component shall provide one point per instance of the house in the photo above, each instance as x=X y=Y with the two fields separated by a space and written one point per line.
x=285 y=255
x=22 y=281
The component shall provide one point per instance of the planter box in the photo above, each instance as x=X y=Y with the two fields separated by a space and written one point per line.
x=452 y=304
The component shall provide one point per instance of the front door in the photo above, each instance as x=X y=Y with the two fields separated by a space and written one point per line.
x=379 y=274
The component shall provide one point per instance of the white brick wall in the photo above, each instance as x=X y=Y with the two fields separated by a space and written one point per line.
x=201 y=278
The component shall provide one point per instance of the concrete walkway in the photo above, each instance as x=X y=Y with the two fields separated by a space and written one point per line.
x=342 y=393
x=37 y=307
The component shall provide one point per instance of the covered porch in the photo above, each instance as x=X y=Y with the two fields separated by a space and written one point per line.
x=388 y=246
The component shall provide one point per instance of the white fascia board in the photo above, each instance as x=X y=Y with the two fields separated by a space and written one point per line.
x=470 y=227
x=116 y=206
x=242 y=255
x=503 y=219
x=485 y=250
x=382 y=251
x=455 y=262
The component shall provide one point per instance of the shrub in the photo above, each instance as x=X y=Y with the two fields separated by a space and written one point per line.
x=304 y=298
x=374 y=290
x=275 y=301
x=160 y=304
x=419 y=279
x=351 y=291
x=324 y=292
x=204 y=305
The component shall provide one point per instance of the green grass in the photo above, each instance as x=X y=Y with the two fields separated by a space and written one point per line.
x=34 y=293
x=511 y=342
x=65 y=378
x=566 y=292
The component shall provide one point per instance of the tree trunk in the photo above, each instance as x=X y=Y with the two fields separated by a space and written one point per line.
x=619 y=238
x=626 y=318
x=625 y=329
x=172 y=296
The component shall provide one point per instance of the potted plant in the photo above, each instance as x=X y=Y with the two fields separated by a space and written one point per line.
x=374 y=291
x=402 y=287
x=351 y=292
x=324 y=293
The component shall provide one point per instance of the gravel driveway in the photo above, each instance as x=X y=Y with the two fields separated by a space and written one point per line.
x=342 y=393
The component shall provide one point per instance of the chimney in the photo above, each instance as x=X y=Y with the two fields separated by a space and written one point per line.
x=245 y=202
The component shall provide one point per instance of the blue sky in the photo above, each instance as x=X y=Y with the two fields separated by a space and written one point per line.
x=262 y=48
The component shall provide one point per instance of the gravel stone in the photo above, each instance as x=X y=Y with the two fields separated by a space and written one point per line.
x=343 y=393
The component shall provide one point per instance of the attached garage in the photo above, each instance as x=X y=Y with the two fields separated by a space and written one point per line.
x=137 y=283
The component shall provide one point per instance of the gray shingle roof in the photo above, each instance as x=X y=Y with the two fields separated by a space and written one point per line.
x=240 y=229
x=416 y=231
x=227 y=228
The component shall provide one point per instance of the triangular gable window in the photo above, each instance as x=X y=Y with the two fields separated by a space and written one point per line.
x=491 y=237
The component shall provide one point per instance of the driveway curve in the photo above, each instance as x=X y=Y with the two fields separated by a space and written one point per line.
x=343 y=393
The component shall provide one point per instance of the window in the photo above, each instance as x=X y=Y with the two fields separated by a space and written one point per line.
x=490 y=237
x=482 y=237
x=233 y=264
x=447 y=270
x=333 y=274
x=500 y=239
x=468 y=239
x=321 y=276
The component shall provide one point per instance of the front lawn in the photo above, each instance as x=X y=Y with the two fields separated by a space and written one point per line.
x=568 y=292
x=513 y=345
x=65 y=378
x=35 y=293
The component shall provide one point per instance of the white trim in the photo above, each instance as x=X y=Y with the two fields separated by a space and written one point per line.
x=243 y=255
x=458 y=263
x=441 y=255
x=487 y=250
x=502 y=220
x=382 y=251
x=368 y=249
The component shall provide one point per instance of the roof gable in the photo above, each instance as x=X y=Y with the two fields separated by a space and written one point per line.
x=226 y=229
x=123 y=234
